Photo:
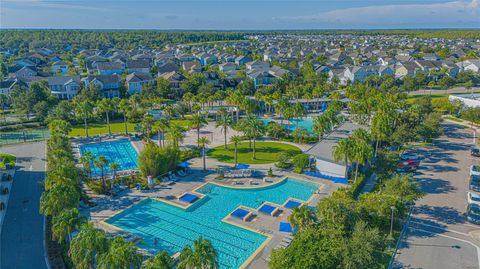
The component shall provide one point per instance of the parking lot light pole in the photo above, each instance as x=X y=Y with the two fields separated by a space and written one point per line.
x=391 y=220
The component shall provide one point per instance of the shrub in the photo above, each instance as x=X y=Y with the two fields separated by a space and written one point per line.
x=300 y=161
x=5 y=191
x=155 y=161
x=2 y=206
x=284 y=160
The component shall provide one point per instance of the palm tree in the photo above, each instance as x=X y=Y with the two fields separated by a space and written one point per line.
x=147 y=123
x=161 y=127
x=301 y=217
x=3 y=100
x=86 y=160
x=120 y=254
x=343 y=151
x=225 y=121
x=65 y=223
x=298 y=112
x=320 y=126
x=282 y=106
x=101 y=163
x=197 y=122
x=236 y=99
x=114 y=167
x=87 y=245
x=253 y=128
x=288 y=114
x=84 y=110
x=175 y=134
x=169 y=111
x=202 y=256
x=106 y=106
x=160 y=261
x=59 y=127
x=235 y=140
x=203 y=142
x=124 y=107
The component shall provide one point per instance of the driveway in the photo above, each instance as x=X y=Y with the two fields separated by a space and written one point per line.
x=22 y=232
x=437 y=234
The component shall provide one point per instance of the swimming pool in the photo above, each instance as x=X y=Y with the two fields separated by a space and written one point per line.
x=306 y=123
x=120 y=152
x=175 y=227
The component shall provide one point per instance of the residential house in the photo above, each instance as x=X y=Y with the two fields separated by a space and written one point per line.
x=192 y=66
x=59 y=67
x=138 y=66
x=167 y=68
x=226 y=67
x=109 y=68
x=64 y=87
x=22 y=72
x=470 y=65
x=108 y=84
x=257 y=65
x=241 y=60
x=135 y=82
x=6 y=87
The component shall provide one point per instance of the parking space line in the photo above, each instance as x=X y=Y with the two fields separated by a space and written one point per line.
x=440 y=228
x=454 y=238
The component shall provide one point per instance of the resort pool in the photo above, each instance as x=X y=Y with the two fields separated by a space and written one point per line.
x=175 y=227
x=306 y=123
x=120 y=152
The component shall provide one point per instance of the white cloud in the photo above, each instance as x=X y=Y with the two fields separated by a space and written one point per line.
x=65 y=5
x=408 y=15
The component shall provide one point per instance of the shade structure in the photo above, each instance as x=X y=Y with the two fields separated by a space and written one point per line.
x=286 y=227
x=184 y=164
x=242 y=166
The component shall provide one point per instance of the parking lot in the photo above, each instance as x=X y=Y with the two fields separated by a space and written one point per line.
x=437 y=234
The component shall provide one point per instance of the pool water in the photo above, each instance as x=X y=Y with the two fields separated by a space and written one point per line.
x=305 y=123
x=120 y=152
x=175 y=227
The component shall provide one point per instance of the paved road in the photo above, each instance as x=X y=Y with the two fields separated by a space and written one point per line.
x=438 y=235
x=22 y=232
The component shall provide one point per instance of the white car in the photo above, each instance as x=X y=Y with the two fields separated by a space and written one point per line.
x=475 y=170
x=473 y=198
x=410 y=156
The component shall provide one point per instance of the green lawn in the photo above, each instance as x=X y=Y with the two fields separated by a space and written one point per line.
x=266 y=152
x=116 y=127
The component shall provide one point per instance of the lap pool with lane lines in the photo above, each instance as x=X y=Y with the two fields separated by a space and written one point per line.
x=120 y=152
x=175 y=227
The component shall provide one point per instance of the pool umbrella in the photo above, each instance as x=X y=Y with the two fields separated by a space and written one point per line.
x=184 y=164
x=242 y=166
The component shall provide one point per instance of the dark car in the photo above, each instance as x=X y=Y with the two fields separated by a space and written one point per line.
x=475 y=183
x=475 y=151
x=473 y=213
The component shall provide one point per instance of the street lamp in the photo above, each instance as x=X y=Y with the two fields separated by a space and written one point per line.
x=391 y=220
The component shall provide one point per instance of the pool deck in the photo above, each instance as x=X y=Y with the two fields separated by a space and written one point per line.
x=107 y=206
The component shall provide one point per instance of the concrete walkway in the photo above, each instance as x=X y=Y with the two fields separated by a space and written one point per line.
x=22 y=232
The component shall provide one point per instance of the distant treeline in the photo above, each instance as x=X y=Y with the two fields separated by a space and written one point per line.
x=93 y=39
x=129 y=39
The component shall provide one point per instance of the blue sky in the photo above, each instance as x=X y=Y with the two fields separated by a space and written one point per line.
x=239 y=14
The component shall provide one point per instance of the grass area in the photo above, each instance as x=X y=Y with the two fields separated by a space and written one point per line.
x=116 y=127
x=453 y=119
x=266 y=152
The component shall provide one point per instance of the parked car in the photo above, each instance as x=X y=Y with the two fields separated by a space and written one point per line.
x=473 y=213
x=411 y=164
x=475 y=151
x=405 y=170
x=410 y=156
x=475 y=170
x=475 y=183
x=473 y=198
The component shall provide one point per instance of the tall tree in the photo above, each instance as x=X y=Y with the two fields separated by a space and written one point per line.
x=87 y=245
x=343 y=151
x=106 y=106
x=120 y=254
x=124 y=107
x=302 y=217
x=197 y=122
x=224 y=122
x=101 y=163
x=84 y=110
x=203 y=142
x=202 y=256
x=160 y=261
x=235 y=140
x=65 y=223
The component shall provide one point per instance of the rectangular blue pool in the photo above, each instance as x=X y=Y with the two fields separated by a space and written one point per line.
x=174 y=227
x=121 y=152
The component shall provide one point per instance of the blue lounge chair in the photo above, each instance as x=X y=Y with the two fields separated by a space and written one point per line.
x=268 y=209
x=240 y=213
x=188 y=198
x=291 y=204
